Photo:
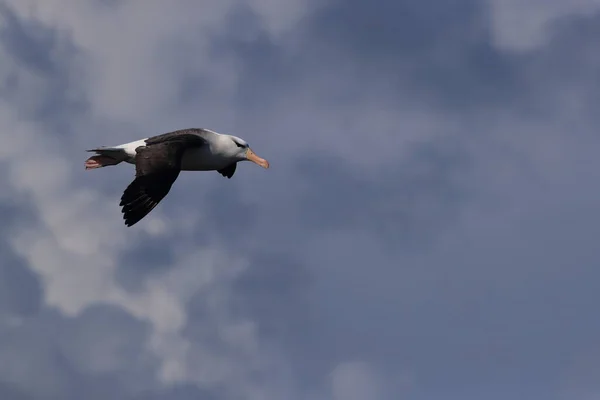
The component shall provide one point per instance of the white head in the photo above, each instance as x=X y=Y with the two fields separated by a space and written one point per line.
x=239 y=149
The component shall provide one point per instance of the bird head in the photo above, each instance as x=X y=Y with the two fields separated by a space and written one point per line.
x=243 y=152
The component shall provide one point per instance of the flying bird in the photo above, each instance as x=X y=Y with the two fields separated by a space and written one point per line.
x=159 y=159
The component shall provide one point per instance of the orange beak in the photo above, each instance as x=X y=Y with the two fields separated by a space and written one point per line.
x=256 y=159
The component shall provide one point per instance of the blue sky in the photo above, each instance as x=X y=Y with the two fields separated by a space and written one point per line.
x=427 y=230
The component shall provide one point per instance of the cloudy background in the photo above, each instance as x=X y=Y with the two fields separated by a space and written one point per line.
x=428 y=229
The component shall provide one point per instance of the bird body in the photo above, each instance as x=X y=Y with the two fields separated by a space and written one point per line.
x=159 y=159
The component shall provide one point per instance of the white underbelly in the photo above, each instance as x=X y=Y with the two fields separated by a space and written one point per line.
x=203 y=160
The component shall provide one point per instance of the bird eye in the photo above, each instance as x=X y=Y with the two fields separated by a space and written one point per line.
x=239 y=145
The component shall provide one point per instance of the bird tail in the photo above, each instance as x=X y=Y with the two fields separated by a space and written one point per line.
x=105 y=156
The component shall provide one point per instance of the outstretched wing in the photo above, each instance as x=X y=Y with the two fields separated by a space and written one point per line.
x=144 y=193
x=157 y=167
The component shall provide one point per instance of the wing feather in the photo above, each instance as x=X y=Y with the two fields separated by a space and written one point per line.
x=157 y=166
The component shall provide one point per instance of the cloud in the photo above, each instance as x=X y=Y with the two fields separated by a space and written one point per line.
x=426 y=231
x=525 y=26
x=73 y=246
x=406 y=200
x=354 y=381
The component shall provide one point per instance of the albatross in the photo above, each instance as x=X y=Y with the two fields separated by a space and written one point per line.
x=159 y=159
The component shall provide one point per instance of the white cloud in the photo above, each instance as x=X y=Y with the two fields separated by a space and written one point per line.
x=74 y=247
x=131 y=71
x=76 y=240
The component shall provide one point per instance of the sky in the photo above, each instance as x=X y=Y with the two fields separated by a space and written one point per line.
x=427 y=229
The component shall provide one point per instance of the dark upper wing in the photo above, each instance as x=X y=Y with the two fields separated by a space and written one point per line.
x=228 y=171
x=188 y=137
x=157 y=167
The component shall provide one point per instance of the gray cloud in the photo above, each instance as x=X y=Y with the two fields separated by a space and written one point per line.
x=402 y=203
x=427 y=230
x=24 y=299
x=39 y=51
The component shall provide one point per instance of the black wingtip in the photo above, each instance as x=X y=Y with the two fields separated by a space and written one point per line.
x=134 y=212
x=130 y=220
x=137 y=202
x=129 y=224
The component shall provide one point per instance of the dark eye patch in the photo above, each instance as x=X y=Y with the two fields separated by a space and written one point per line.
x=239 y=145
